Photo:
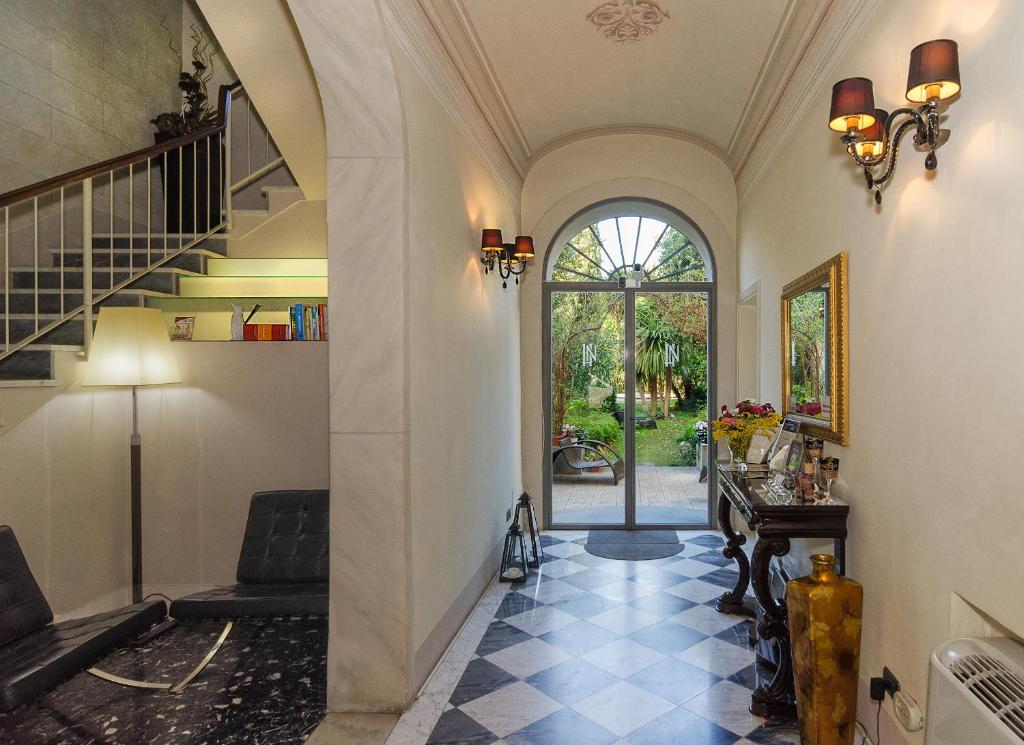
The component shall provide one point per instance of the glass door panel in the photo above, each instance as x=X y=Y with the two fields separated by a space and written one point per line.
x=671 y=352
x=588 y=354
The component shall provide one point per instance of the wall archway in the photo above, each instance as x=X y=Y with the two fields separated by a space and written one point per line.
x=545 y=228
x=594 y=252
x=369 y=664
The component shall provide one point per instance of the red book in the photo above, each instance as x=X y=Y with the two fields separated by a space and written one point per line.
x=249 y=332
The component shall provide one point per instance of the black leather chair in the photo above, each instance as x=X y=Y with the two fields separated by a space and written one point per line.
x=282 y=569
x=36 y=654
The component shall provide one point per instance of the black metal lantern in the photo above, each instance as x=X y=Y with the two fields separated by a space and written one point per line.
x=514 y=561
x=525 y=515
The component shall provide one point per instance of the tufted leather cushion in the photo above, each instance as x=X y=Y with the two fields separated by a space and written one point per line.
x=285 y=537
x=262 y=599
x=36 y=662
x=23 y=609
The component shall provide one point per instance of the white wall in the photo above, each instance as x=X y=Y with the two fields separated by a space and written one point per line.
x=567 y=180
x=248 y=417
x=463 y=366
x=935 y=302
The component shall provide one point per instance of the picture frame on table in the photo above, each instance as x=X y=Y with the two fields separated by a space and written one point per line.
x=795 y=457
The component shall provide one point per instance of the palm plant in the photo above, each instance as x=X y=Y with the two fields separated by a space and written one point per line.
x=653 y=335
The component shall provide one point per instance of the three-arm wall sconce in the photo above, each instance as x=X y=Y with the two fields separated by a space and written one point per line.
x=511 y=258
x=872 y=136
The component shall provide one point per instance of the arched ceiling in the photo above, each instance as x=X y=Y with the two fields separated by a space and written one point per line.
x=550 y=71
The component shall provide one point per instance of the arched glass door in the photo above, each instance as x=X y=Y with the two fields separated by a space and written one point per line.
x=628 y=316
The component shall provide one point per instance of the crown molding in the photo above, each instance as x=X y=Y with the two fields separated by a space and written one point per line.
x=808 y=71
x=799 y=22
x=412 y=29
x=628 y=129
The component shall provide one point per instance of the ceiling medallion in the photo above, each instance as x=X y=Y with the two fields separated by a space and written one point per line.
x=628 y=20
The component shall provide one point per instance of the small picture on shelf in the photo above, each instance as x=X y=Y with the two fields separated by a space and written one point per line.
x=183 y=327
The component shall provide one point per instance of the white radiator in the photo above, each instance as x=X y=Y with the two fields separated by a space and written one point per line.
x=976 y=693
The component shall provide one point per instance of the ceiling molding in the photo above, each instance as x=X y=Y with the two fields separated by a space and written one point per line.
x=628 y=129
x=414 y=32
x=800 y=21
x=808 y=72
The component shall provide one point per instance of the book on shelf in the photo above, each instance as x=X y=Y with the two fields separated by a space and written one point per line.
x=308 y=322
x=266 y=332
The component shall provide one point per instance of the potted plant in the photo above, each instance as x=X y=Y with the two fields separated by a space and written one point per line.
x=192 y=174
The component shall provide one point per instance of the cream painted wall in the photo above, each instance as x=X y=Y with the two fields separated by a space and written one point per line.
x=252 y=33
x=79 y=82
x=677 y=173
x=935 y=304
x=208 y=444
x=463 y=361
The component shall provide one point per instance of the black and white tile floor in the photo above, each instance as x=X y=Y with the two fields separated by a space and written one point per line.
x=593 y=651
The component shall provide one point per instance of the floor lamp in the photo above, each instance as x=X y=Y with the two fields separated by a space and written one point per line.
x=131 y=347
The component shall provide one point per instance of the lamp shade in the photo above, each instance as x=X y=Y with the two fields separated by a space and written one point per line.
x=490 y=240
x=853 y=105
x=524 y=247
x=131 y=347
x=873 y=143
x=934 y=71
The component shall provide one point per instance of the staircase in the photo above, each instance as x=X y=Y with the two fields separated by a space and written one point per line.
x=122 y=237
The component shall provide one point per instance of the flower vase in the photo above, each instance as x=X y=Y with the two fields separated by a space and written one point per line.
x=824 y=626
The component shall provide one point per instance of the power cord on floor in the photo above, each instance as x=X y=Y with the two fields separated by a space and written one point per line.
x=878 y=726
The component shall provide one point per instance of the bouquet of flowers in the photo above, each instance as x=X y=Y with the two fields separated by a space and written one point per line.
x=739 y=426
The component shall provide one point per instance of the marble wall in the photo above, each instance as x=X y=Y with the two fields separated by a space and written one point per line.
x=424 y=365
x=79 y=82
x=370 y=652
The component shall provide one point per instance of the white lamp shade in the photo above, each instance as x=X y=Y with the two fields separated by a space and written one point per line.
x=131 y=347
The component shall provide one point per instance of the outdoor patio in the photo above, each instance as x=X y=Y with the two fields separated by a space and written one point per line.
x=664 y=495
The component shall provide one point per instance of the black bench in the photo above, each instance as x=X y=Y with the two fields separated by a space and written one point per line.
x=282 y=569
x=36 y=654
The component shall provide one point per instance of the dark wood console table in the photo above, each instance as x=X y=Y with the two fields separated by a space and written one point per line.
x=775 y=520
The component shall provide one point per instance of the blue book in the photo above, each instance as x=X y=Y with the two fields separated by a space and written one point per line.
x=300 y=322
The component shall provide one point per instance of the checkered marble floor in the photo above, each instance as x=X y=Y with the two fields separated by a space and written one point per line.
x=593 y=651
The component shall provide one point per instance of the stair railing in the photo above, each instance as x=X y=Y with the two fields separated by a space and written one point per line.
x=258 y=156
x=174 y=222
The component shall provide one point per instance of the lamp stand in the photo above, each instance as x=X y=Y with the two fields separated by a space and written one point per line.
x=136 y=476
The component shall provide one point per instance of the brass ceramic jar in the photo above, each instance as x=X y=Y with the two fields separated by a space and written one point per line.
x=824 y=625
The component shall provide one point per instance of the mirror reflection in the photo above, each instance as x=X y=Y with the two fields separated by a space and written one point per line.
x=809 y=354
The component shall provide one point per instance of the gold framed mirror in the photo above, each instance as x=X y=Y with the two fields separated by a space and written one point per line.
x=815 y=360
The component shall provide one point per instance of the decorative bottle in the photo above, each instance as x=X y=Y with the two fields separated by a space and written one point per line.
x=824 y=625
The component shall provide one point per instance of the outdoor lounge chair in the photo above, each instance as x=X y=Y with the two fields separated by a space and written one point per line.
x=575 y=455
x=37 y=654
x=282 y=569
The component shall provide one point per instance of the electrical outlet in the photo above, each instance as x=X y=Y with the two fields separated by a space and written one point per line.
x=883 y=685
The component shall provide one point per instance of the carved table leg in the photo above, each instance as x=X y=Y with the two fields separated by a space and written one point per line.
x=775 y=698
x=733 y=601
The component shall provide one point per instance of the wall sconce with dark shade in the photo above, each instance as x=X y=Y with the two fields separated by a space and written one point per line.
x=872 y=136
x=510 y=258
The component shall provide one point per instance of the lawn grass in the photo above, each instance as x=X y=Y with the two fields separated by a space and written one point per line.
x=659 y=447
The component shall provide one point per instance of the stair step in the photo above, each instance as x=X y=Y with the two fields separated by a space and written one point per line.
x=137 y=258
x=23 y=302
x=252 y=287
x=69 y=333
x=159 y=280
x=266 y=268
x=28 y=364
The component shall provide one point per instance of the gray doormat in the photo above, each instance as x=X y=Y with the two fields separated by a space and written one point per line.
x=633 y=545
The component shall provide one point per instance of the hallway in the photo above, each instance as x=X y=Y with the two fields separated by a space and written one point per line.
x=593 y=651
